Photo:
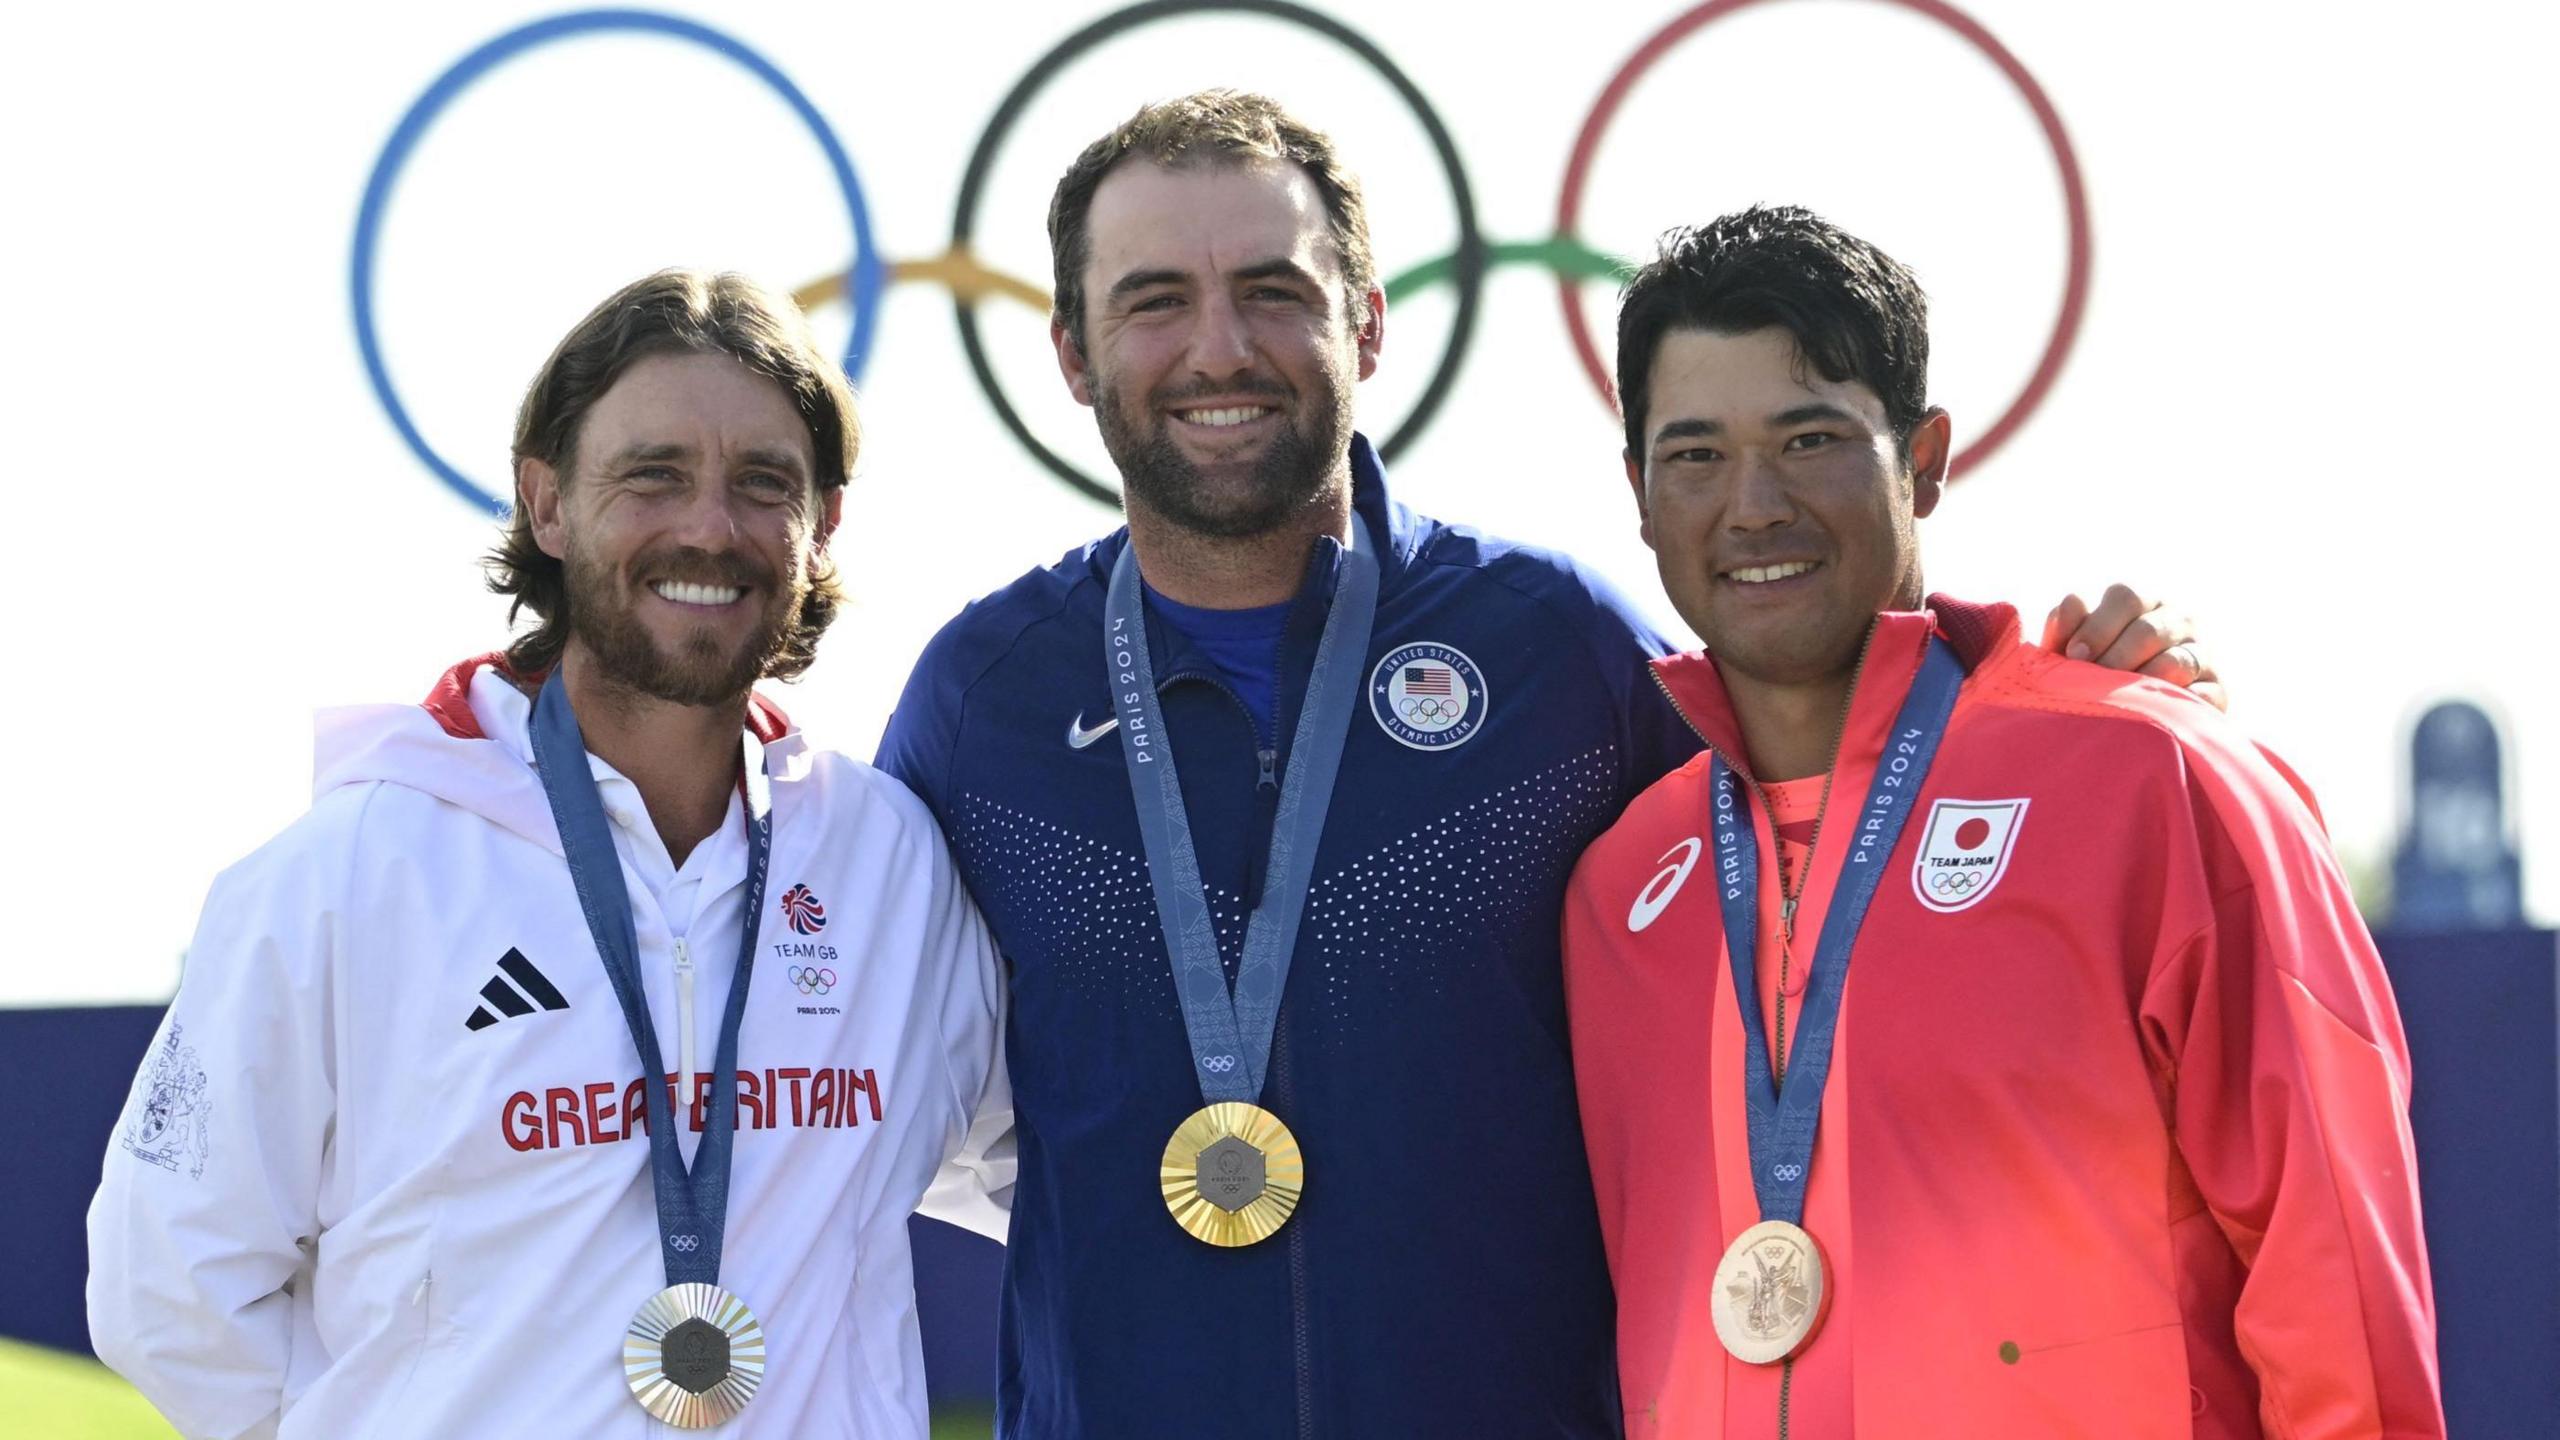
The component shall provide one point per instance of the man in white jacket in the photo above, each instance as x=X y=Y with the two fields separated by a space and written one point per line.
x=395 y=1165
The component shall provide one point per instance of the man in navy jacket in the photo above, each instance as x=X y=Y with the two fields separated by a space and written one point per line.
x=1442 y=1275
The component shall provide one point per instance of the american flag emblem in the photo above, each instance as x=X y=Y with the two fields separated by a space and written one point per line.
x=1428 y=695
x=803 y=911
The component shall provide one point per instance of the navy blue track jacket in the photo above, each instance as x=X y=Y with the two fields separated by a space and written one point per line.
x=1443 y=1275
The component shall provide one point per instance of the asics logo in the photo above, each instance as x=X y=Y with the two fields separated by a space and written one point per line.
x=1656 y=895
x=1079 y=737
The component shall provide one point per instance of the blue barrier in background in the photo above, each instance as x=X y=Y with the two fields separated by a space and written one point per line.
x=2483 y=1019
x=2482 y=1012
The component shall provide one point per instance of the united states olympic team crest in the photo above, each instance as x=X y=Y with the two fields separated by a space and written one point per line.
x=1428 y=696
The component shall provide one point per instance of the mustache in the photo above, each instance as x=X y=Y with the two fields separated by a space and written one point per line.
x=1256 y=387
x=693 y=565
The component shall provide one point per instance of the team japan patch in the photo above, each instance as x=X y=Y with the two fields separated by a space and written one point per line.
x=1964 y=851
x=1428 y=696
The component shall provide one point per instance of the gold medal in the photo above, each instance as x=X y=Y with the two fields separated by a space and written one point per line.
x=693 y=1356
x=1770 y=1293
x=1232 y=1173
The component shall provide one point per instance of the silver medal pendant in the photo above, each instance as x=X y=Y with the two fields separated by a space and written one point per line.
x=693 y=1356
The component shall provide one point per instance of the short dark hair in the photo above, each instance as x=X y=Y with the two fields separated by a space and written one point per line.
x=671 y=312
x=1856 y=313
x=1226 y=127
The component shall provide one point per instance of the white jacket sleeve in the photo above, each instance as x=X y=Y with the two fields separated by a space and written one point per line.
x=974 y=1189
x=212 y=1177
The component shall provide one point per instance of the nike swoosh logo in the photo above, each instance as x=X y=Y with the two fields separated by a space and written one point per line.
x=1079 y=737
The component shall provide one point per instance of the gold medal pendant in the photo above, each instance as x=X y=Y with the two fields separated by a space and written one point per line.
x=1232 y=1173
x=693 y=1356
x=1770 y=1293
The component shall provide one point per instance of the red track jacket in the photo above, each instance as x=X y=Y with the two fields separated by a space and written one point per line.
x=2116 y=1137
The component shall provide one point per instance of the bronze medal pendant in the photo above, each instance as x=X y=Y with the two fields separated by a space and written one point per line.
x=693 y=1356
x=1232 y=1174
x=1770 y=1293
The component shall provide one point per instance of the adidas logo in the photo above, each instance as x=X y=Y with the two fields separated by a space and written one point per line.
x=504 y=996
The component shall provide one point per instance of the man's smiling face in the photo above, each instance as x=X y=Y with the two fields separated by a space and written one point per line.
x=1779 y=504
x=1219 y=347
x=689 y=529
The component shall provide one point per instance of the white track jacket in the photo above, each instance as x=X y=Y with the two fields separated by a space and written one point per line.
x=385 y=1172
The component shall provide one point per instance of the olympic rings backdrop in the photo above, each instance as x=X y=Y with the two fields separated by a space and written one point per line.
x=958 y=268
x=286 y=269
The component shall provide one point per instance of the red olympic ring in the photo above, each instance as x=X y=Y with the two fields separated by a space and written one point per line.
x=2075 y=288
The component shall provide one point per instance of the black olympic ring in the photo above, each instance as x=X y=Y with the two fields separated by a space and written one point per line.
x=1470 y=252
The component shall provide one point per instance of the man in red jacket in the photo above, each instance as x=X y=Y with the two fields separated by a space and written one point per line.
x=1972 y=1042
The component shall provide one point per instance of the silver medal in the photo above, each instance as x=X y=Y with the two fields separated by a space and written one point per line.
x=693 y=1356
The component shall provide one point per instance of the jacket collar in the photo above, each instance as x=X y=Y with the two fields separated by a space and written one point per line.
x=1399 y=534
x=1977 y=633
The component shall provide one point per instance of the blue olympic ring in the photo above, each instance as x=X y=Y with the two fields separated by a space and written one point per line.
x=863 y=281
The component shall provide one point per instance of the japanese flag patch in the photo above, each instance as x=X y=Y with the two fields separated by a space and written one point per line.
x=1964 y=850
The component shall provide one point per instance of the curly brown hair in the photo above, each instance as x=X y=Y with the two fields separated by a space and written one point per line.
x=670 y=312
x=1223 y=127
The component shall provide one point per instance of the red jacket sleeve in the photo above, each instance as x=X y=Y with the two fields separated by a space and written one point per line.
x=2287 y=1083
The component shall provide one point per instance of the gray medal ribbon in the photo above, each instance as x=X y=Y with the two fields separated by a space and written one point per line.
x=1231 y=1029
x=1780 y=1120
x=693 y=1205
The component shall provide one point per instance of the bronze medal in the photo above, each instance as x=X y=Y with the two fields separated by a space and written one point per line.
x=1770 y=1293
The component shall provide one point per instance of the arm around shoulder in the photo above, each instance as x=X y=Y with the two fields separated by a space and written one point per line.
x=962 y=992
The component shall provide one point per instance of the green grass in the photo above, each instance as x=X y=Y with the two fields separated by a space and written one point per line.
x=55 y=1396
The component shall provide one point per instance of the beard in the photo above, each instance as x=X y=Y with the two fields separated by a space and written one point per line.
x=701 y=670
x=1292 y=472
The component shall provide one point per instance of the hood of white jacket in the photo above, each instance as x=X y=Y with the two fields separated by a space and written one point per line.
x=468 y=744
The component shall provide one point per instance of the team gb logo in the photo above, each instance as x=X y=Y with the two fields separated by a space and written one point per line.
x=1964 y=851
x=801 y=910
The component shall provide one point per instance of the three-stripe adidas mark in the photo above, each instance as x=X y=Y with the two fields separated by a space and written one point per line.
x=510 y=1004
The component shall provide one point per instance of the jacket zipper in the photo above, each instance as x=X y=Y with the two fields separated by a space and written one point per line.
x=1787 y=916
x=684 y=1027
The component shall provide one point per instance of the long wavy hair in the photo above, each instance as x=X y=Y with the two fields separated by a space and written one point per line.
x=673 y=311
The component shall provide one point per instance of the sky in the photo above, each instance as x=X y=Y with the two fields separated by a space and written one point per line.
x=2308 y=400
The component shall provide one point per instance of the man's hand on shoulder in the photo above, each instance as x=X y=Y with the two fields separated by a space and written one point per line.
x=2128 y=632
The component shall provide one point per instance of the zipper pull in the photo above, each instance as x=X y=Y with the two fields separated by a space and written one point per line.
x=1270 y=761
x=1787 y=918
x=684 y=957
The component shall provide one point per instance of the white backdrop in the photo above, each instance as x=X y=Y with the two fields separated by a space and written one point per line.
x=2311 y=400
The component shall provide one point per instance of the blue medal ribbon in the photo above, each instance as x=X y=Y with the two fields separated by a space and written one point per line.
x=1231 y=1028
x=1782 y=1119
x=693 y=1206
